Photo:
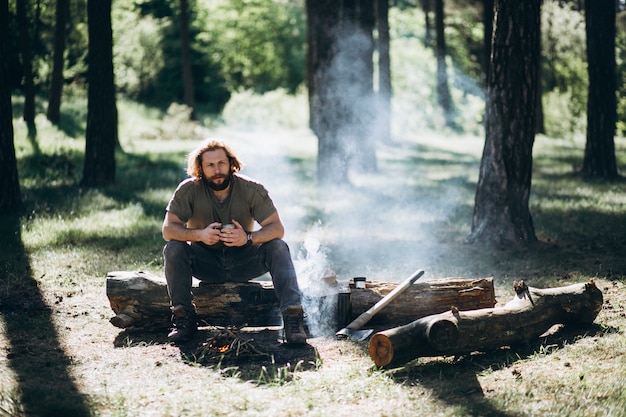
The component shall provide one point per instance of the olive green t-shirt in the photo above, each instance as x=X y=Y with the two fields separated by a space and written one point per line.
x=248 y=201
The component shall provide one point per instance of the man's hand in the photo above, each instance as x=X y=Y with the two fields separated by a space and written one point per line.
x=210 y=235
x=233 y=237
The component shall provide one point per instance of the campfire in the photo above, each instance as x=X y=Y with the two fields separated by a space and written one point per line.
x=227 y=343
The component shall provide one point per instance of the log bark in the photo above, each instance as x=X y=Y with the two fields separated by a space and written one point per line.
x=527 y=316
x=140 y=300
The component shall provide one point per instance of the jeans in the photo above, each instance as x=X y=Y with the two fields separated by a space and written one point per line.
x=184 y=260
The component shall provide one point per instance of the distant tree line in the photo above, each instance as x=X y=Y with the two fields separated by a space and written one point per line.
x=164 y=51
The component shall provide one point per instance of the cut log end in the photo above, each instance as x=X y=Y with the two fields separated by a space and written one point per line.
x=381 y=349
x=443 y=335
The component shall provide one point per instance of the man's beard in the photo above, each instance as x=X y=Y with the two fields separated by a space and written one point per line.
x=222 y=186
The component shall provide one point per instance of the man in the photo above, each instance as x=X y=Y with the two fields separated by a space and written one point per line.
x=209 y=226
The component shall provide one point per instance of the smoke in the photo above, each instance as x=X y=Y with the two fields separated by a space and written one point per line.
x=382 y=223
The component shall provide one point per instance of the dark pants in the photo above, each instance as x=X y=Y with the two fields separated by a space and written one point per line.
x=184 y=260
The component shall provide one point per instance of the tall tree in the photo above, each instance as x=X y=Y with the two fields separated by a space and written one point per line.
x=501 y=211
x=443 y=89
x=56 y=82
x=341 y=94
x=10 y=196
x=426 y=7
x=28 y=86
x=185 y=58
x=383 y=128
x=488 y=35
x=599 y=161
x=101 y=135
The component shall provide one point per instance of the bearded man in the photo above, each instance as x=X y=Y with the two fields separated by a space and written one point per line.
x=210 y=231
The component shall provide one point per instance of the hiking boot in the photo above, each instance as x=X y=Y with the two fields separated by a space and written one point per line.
x=184 y=321
x=293 y=322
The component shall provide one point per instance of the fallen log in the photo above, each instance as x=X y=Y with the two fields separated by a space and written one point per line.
x=139 y=300
x=527 y=316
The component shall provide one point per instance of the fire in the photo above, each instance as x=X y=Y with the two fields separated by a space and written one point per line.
x=226 y=343
x=219 y=348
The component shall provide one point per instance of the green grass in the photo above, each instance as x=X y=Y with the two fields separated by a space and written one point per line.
x=60 y=355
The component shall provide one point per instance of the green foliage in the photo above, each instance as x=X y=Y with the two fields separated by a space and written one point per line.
x=259 y=44
x=464 y=41
x=148 y=61
x=564 y=69
x=413 y=68
x=235 y=45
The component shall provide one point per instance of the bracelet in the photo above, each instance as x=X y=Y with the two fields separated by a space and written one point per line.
x=249 y=235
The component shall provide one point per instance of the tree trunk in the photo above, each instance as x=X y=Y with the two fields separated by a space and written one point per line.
x=487 y=36
x=56 y=83
x=140 y=300
x=362 y=105
x=28 y=85
x=326 y=106
x=443 y=90
x=384 y=73
x=530 y=314
x=341 y=85
x=10 y=196
x=599 y=161
x=501 y=212
x=428 y=36
x=188 y=88
x=101 y=135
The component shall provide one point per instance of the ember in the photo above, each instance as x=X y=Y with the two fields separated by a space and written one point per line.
x=227 y=344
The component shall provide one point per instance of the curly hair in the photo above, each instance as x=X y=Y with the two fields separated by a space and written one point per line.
x=194 y=159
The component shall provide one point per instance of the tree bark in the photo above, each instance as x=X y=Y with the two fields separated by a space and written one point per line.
x=140 y=300
x=341 y=96
x=443 y=89
x=10 y=196
x=599 y=160
x=383 y=125
x=530 y=314
x=501 y=212
x=487 y=36
x=28 y=86
x=56 y=82
x=101 y=135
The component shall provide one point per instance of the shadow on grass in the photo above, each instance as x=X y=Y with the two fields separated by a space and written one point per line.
x=456 y=383
x=42 y=368
x=255 y=354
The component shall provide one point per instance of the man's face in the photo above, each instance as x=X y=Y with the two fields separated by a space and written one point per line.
x=216 y=169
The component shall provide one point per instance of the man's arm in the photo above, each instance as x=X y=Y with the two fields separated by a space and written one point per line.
x=271 y=228
x=175 y=229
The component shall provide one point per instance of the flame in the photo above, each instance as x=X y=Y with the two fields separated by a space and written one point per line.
x=220 y=349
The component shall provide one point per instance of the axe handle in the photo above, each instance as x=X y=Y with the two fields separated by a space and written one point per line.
x=382 y=303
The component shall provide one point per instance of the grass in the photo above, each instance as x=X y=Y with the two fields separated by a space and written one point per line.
x=60 y=355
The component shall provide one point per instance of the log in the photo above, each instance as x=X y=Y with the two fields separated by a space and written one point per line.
x=527 y=316
x=139 y=300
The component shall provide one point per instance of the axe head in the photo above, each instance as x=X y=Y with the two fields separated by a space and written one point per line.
x=353 y=334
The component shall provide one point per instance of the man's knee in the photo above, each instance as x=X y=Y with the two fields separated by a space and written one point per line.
x=277 y=247
x=175 y=249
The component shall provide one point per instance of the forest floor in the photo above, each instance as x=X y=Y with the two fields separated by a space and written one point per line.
x=61 y=356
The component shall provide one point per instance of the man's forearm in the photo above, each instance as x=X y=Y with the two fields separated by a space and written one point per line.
x=267 y=233
x=180 y=232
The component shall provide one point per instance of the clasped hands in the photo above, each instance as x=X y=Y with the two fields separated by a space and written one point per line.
x=231 y=236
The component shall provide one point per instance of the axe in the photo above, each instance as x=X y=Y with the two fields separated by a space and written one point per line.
x=353 y=330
